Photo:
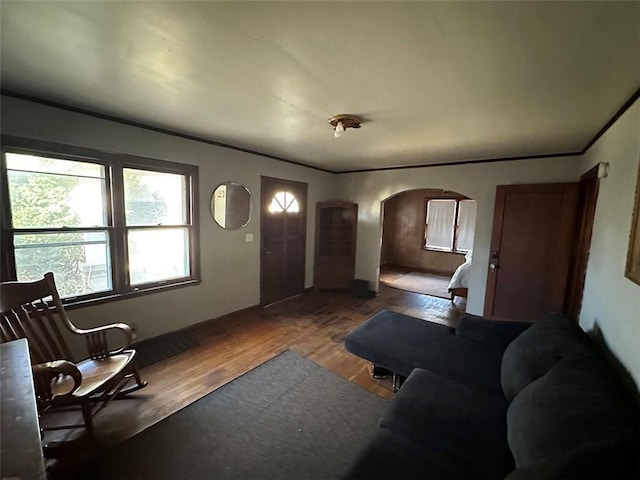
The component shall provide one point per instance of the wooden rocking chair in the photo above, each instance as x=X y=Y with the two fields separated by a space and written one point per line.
x=33 y=310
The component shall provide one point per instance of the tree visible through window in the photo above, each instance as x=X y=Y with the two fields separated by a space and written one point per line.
x=450 y=225
x=156 y=223
x=102 y=227
x=58 y=214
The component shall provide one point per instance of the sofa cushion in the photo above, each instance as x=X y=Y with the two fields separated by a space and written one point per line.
x=392 y=456
x=492 y=333
x=611 y=457
x=539 y=348
x=577 y=402
x=401 y=343
x=452 y=419
x=389 y=328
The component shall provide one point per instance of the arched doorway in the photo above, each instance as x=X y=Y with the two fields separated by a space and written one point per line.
x=427 y=235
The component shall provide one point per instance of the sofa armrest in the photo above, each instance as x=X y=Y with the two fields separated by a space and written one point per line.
x=496 y=334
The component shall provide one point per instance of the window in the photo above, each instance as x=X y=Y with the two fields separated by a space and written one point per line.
x=156 y=225
x=284 y=202
x=450 y=225
x=466 y=225
x=105 y=227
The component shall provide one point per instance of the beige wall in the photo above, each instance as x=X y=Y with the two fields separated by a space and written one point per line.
x=477 y=181
x=230 y=266
x=611 y=301
x=403 y=233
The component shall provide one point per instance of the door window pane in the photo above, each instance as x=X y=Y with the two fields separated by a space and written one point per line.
x=79 y=261
x=466 y=225
x=52 y=193
x=284 y=202
x=440 y=221
x=154 y=198
x=158 y=254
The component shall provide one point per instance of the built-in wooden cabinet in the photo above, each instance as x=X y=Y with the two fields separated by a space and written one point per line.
x=335 y=255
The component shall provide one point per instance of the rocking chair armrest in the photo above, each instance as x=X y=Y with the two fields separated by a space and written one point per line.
x=44 y=373
x=97 y=339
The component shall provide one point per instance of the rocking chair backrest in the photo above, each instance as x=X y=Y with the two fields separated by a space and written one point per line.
x=33 y=310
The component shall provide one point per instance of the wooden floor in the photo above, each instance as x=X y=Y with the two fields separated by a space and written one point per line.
x=389 y=273
x=313 y=324
x=415 y=280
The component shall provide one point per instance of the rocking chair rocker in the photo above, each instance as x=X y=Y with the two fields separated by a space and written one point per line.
x=60 y=383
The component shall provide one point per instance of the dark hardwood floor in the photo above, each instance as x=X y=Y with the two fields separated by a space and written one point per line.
x=389 y=273
x=313 y=324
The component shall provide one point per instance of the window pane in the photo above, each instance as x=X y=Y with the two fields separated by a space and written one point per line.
x=79 y=260
x=153 y=198
x=284 y=202
x=33 y=163
x=466 y=225
x=440 y=221
x=52 y=193
x=158 y=254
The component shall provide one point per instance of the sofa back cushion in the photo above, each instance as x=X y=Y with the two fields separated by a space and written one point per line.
x=612 y=457
x=537 y=349
x=577 y=403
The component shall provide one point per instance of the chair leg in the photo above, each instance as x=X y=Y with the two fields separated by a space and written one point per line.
x=139 y=383
x=136 y=375
x=88 y=418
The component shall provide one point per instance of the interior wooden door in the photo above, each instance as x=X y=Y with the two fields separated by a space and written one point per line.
x=587 y=200
x=282 y=239
x=531 y=245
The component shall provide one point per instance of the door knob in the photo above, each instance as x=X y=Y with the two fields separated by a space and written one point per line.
x=493 y=267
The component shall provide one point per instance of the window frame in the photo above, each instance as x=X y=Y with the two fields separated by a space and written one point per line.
x=116 y=229
x=456 y=224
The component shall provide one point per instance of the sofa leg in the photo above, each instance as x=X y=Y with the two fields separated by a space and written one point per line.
x=398 y=380
x=378 y=372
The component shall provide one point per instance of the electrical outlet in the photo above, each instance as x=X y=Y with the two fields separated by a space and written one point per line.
x=249 y=237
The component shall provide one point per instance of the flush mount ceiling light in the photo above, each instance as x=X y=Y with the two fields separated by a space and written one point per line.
x=343 y=121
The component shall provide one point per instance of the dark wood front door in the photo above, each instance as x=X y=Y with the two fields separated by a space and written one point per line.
x=282 y=239
x=531 y=245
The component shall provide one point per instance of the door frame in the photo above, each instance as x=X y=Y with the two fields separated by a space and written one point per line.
x=304 y=187
x=588 y=198
x=496 y=236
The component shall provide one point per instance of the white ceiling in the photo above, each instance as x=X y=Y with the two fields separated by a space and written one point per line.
x=436 y=81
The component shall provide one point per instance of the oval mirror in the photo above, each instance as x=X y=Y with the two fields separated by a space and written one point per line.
x=231 y=205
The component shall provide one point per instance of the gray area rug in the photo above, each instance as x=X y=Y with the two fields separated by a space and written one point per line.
x=425 y=283
x=289 y=418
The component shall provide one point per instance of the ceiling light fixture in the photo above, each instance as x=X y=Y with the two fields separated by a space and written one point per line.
x=343 y=121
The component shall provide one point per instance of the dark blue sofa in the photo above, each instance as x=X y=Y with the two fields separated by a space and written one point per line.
x=495 y=399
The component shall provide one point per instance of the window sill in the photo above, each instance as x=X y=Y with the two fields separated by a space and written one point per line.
x=114 y=297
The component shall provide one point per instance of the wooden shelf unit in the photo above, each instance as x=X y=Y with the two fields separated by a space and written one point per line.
x=335 y=250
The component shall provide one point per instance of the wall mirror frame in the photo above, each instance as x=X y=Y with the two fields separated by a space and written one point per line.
x=231 y=205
